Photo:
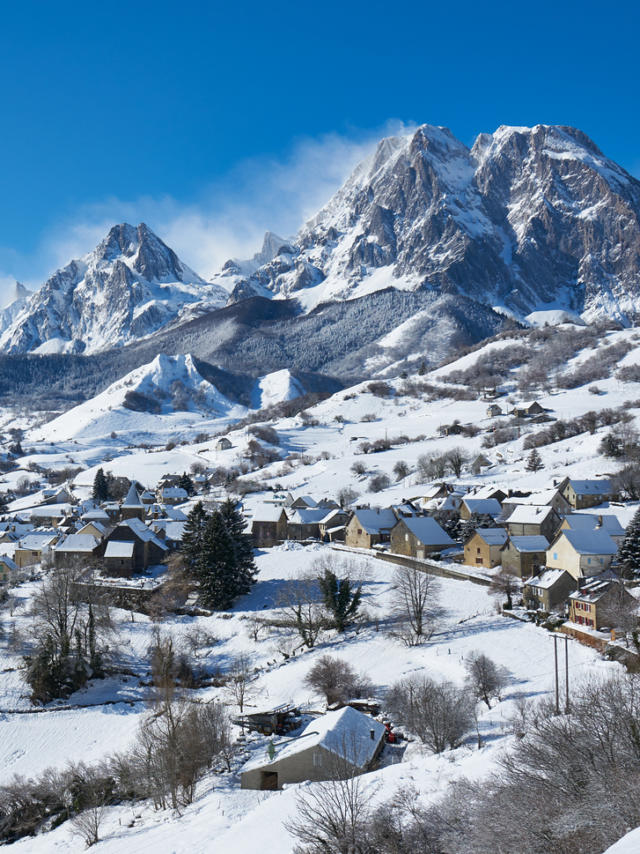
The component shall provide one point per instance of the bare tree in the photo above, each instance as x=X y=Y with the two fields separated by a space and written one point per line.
x=337 y=680
x=456 y=458
x=300 y=608
x=346 y=496
x=334 y=817
x=439 y=713
x=486 y=678
x=240 y=682
x=415 y=604
x=505 y=583
x=87 y=824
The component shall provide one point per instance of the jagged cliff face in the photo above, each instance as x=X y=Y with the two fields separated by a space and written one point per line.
x=527 y=218
x=130 y=286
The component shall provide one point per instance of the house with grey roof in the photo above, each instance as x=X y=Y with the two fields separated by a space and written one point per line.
x=484 y=547
x=532 y=520
x=368 y=528
x=591 y=522
x=419 y=536
x=524 y=555
x=75 y=550
x=586 y=493
x=548 y=591
x=480 y=506
x=581 y=553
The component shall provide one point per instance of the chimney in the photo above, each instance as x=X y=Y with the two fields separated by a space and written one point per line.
x=372 y=733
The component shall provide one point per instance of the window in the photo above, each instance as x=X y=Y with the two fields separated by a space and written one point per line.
x=406 y=537
x=317 y=759
x=478 y=550
x=555 y=555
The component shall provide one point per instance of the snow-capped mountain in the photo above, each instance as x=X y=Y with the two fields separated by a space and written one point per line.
x=527 y=219
x=275 y=388
x=131 y=285
x=165 y=395
x=14 y=303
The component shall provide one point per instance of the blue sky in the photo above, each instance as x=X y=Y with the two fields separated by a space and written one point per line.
x=215 y=121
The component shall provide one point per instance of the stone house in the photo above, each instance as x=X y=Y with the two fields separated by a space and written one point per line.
x=527 y=520
x=172 y=495
x=494 y=411
x=581 y=553
x=586 y=493
x=338 y=744
x=548 y=591
x=596 y=602
x=528 y=409
x=368 y=528
x=332 y=527
x=75 y=550
x=223 y=444
x=148 y=549
x=7 y=568
x=525 y=555
x=119 y=559
x=32 y=548
x=481 y=506
x=418 y=536
x=304 y=524
x=268 y=526
x=545 y=498
x=483 y=548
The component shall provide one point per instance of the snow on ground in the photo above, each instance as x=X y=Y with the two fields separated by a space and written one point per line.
x=224 y=818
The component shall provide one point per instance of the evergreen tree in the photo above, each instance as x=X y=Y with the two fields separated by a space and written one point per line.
x=534 y=461
x=340 y=599
x=629 y=549
x=100 y=486
x=216 y=565
x=3 y=503
x=193 y=537
x=243 y=545
x=186 y=483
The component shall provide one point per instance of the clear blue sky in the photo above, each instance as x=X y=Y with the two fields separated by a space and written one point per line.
x=123 y=101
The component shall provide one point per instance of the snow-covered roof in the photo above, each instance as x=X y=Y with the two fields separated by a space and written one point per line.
x=486 y=491
x=491 y=506
x=119 y=548
x=493 y=536
x=594 y=588
x=174 y=492
x=345 y=733
x=591 y=522
x=37 y=541
x=132 y=498
x=529 y=514
x=336 y=511
x=308 y=516
x=78 y=543
x=267 y=513
x=8 y=562
x=428 y=531
x=97 y=515
x=374 y=521
x=590 y=487
x=52 y=511
x=143 y=532
x=533 y=543
x=98 y=526
x=591 y=542
x=539 y=499
x=546 y=579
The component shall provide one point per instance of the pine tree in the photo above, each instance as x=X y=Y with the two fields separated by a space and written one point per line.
x=186 y=483
x=193 y=537
x=534 y=461
x=629 y=549
x=100 y=486
x=339 y=598
x=216 y=565
x=246 y=570
x=3 y=503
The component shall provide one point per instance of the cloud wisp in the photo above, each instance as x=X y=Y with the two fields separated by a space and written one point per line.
x=230 y=217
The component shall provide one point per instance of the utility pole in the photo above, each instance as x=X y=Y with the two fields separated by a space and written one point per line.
x=555 y=661
x=567 y=708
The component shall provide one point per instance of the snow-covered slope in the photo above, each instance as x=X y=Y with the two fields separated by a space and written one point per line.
x=275 y=388
x=166 y=395
x=131 y=285
x=527 y=219
x=13 y=305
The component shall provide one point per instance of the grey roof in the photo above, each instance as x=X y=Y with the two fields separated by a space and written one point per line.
x=374 y=521
x=491 y=506
x=428 y=531
x=591 y=542
x=493 y=536
x=8 y=562
x=97 y=515
x=591 y=522
x=143 y=532
x=591 y=487
x=534 y=543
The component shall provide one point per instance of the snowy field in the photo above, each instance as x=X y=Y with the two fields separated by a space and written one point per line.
x=224 y=818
